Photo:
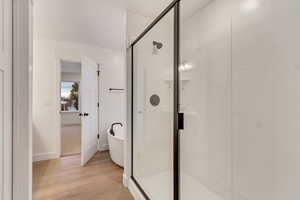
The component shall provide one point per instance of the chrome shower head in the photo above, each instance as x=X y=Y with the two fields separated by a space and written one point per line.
x=158 y=45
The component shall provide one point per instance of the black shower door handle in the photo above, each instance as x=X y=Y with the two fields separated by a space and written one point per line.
x=180 y=121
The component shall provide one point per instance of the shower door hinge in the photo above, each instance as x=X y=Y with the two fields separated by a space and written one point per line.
x=98 y=72
x=98 y=136
x=180 y=121
x=98 y=104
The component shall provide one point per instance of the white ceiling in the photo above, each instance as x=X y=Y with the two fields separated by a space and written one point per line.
x=97 y=22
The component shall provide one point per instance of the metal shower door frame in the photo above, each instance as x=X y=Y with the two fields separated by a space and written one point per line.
x=175 y=5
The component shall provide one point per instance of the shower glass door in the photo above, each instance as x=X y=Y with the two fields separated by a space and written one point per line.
x=205 y=92
x=152 y=138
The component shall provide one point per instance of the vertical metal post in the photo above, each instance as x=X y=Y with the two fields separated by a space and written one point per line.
x=176 y=138
x=132 y=77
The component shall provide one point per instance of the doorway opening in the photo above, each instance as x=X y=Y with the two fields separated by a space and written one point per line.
x=70 y=108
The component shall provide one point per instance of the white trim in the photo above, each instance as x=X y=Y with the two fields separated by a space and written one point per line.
x=125 y=180
x=22 y=122
x=2 y=182
x=70 y=125
x=69 y=111
x=127 y=142
x=58 y=117
x=45 y=156
x=2 y=39
x=137 y=195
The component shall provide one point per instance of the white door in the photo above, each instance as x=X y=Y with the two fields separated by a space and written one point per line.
x=5 y=99
x=89 y=109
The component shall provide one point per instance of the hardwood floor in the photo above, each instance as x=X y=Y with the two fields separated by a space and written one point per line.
x=65 y=179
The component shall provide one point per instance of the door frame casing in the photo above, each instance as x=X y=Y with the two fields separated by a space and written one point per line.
x=22 y=99
x=6 y=99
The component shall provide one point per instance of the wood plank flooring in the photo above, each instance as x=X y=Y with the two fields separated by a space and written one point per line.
x=65 y=179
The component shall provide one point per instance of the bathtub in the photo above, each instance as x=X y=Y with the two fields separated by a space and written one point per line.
x=116 y=145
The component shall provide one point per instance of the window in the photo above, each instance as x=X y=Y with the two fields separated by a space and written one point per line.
x=69 y=96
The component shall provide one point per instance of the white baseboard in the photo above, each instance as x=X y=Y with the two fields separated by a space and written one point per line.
x=45 y=156
x=137 y=195
x=125 y=180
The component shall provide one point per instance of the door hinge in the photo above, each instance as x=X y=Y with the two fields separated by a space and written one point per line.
x=180 y=121
x=98 y=136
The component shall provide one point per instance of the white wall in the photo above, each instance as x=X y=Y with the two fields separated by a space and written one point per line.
x=70 y=76
x=94 y=22
x=46 y=90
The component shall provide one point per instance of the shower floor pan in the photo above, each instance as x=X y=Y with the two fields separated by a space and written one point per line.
x=191 y=188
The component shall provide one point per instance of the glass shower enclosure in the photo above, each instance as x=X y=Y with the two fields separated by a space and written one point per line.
x=215 y=102
x=154 y=105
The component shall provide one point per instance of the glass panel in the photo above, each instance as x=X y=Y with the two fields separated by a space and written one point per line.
x=240 y=94
x=153 y=110
x=205 y=100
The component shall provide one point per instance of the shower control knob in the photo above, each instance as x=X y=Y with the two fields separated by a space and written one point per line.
x=86 y=114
